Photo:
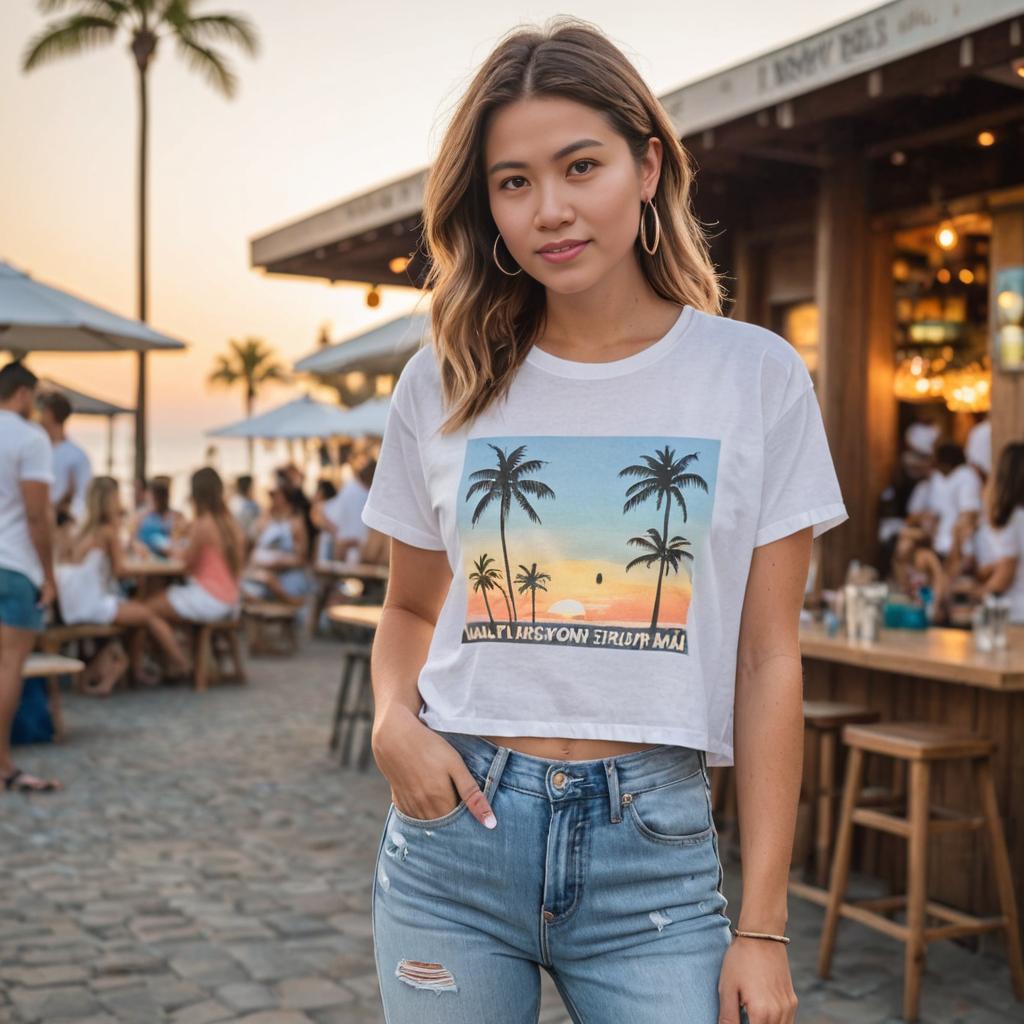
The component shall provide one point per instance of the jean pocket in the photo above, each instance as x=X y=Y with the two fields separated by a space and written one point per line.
x=678 y=813
x=444 y=819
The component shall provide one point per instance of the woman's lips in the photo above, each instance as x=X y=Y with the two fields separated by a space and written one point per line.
x=566 y=254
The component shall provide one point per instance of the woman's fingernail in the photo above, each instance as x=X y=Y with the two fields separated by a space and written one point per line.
x=490 y=821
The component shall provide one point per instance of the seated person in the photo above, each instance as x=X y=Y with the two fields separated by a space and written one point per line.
x=156 y=523
x=324 y=544
x=915 y=565
x=87 y=590
x=279 y=563
x=213 y=550
x=341 y=518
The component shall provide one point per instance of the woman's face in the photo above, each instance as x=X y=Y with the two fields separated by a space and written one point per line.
x=573 y=178
x=113 y=506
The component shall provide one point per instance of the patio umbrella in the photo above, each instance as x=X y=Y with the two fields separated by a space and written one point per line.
x=383 y=349
x=37 y=318
x=89 y=405
x=295 y=420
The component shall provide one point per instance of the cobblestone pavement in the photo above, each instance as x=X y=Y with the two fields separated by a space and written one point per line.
x=207 y=862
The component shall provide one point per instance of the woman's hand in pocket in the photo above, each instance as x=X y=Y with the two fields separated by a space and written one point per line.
x=427 y=774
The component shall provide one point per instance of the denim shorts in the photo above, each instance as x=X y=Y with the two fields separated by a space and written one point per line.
x=18 y=601
x=605 y=872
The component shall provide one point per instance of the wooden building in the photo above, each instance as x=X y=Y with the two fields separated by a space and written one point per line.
x=864 y=189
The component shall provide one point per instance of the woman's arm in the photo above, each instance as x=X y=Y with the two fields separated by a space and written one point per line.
x=769 y=726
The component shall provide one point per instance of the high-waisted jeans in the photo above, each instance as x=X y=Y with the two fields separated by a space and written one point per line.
x=606 y=873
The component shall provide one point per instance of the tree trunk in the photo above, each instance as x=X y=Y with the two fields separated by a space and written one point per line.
x=249 y=396
x=140 y=386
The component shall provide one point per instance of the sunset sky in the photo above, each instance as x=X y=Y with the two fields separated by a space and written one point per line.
x=342 y=97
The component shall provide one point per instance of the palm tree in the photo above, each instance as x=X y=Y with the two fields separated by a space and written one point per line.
x=145 y=22
x=502 y=485
x=530 y=579
x=668 y=555
x=251 y=363
x=663 y=477
x=485 y=578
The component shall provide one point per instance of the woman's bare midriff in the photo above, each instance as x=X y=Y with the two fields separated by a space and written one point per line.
x=561 y=749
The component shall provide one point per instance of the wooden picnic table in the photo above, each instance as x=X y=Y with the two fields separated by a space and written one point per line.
x=148 y=572
x=328 y=573
x=366 y=615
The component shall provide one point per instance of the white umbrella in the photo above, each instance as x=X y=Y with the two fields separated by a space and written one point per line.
x=300 y=418
x=37 y=318
x=368 y=417
x=383 y=349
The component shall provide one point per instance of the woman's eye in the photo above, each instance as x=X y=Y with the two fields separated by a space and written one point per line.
x=578 y=162
x=507 y=180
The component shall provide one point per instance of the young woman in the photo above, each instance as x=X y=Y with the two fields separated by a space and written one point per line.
x=601 y=496
x=213 y=550
x=87 y=589
x=279 y=562
x=1000 y=538
x=156 y=523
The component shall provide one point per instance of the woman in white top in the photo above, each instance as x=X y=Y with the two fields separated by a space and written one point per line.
x=87 y=589
x=279 y=561
x=1004 y=536
x=568 y=633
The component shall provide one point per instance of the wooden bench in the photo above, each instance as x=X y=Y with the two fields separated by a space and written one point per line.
x=54 y=638
x=207 y=667
x=51 y=667
x=263 y=619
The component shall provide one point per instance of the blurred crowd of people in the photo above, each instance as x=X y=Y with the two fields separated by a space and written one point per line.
x=951 y=528
x=70 y=549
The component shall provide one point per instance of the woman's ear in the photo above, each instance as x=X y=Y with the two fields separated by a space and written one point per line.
x=650 y=165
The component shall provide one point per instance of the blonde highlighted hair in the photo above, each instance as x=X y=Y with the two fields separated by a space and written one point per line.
x=97 y=498
x=483 y=321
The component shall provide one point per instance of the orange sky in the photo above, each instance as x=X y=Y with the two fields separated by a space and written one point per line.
x=342 y=97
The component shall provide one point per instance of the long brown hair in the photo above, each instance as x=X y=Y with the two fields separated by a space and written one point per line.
x=97 y=497
x=1008 y=486
x=208 y=497
x=484 y=322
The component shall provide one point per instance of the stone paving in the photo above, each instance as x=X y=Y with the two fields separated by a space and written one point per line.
x=208 y=862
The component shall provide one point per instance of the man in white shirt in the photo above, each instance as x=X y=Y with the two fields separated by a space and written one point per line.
x=978 y=448
x=951 y=494
x=26 y=552
x=72 y=470
x=342 y=515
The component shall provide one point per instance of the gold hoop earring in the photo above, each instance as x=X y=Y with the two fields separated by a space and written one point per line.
x=494 y=251
x=650 y=250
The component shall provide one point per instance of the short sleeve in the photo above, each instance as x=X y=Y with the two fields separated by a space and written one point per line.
x=968 y=491
x=36 y=461
x=1006 y=539
x=918 y=501
x=399 y=502
x=800 y=487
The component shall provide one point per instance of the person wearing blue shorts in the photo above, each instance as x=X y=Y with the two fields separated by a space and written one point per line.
x=26 y=557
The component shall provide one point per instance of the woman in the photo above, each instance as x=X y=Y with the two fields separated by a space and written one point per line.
x=213 y=552
x=916 y=567
x=568 y=635
x=87 y=591
x=1000 y=538
x=279 y=562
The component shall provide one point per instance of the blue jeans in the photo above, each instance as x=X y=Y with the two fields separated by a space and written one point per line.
x=18 y=597
x=606 y=873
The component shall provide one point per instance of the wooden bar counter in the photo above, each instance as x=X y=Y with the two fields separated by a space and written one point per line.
x=934 y=675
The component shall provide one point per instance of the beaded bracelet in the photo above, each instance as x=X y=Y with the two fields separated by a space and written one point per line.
x=760 y=935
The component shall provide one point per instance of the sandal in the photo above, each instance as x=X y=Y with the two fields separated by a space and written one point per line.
x=21 y=782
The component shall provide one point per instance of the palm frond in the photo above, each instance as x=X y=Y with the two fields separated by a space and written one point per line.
x=209 y=63
x=228 y=28
x=111 y=8
x=77 y=33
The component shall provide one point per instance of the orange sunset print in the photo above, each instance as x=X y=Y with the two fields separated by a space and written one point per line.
x=584 y=541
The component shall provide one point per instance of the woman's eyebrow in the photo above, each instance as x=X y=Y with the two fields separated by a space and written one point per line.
x=504 y=165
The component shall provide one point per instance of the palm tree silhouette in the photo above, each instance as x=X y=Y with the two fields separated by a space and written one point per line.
x=530 y=579
x=146 y=23
x=669 y=555
x=251 y=363
x=485 y=578
x=502 y=485
x=663 y=477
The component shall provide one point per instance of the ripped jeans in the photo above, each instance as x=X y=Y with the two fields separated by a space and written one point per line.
x=606 y=873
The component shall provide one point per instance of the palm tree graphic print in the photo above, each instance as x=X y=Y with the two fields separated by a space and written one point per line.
x=584 y=541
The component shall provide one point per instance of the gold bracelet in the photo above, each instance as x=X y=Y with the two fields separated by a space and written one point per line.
x=760 y=935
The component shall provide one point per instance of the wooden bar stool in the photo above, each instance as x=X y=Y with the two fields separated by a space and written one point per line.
x=353 y=710
x=822 y=721
x=920 y=744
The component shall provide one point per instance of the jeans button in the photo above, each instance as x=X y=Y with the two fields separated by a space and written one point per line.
x=548 y=915
x=558 y=779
